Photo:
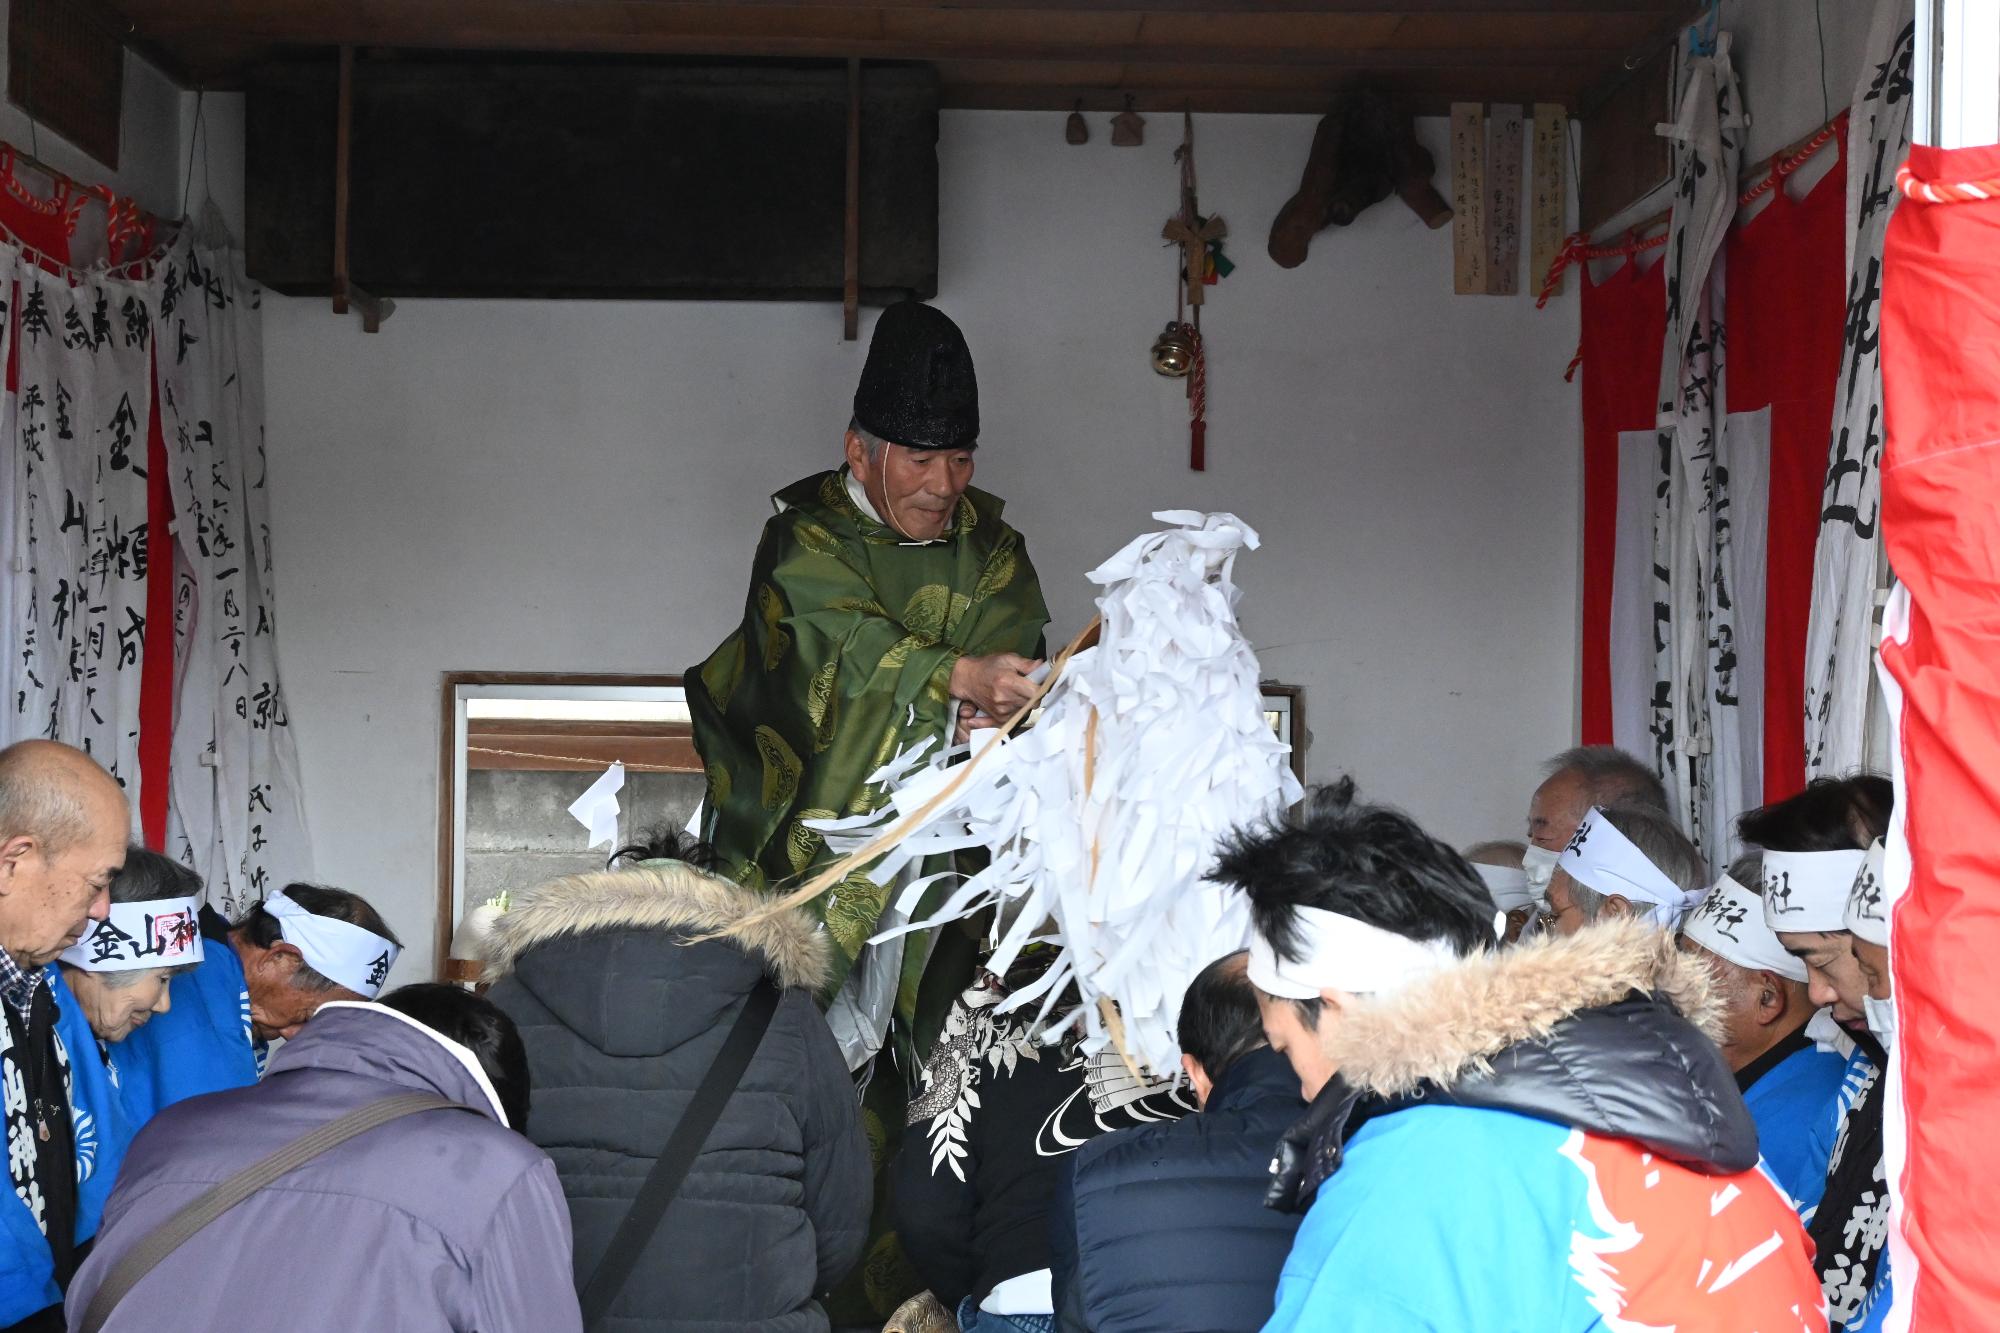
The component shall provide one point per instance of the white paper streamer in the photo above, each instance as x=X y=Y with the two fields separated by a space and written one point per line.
x=597 y=808
x=1112 y=869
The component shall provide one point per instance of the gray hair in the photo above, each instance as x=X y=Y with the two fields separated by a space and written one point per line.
x=1498 y=852
x=41 y=799
x=1748 y=869
x=1613 y=776
x=875 y=444
x=1660 y=840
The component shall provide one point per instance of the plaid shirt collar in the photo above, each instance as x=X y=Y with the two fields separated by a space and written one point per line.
x=18 y=984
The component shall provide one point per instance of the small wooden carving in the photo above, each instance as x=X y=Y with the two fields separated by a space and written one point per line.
x=1364 y=150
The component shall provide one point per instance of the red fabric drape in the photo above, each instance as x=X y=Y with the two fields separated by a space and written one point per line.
x=1786 y=305
x=1624 y=322
x=156 y=675
x=1941 y=525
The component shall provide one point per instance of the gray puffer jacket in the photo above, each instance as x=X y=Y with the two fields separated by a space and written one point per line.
x=622 y=1015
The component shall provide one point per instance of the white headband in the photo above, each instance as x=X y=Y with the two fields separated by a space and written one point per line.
x=1867 y=912
x=1601 y=858
x=1807 y=891
x=1341 y=953
x=340 y=951
x=160 y=932
x=1730 y=924
x=1508 y=886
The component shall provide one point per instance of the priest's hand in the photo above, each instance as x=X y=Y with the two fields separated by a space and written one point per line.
x=997 y=686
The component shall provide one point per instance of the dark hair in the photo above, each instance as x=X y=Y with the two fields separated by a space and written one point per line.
x=1830 y=815
x=663 y=842
x=259 y=928
x=479 y=1025
x=1219 y=1019
x=148 y=876
x=1365 y=861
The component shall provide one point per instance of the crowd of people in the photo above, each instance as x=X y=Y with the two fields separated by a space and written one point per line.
x=1567 y=1084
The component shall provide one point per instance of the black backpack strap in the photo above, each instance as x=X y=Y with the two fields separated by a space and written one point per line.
x=663 y=1182
x=170 y=1235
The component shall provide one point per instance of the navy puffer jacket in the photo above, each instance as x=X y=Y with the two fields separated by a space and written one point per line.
x=1164 y=1228
x=622 y=1015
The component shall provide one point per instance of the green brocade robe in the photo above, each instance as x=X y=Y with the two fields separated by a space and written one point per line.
x=844 y=658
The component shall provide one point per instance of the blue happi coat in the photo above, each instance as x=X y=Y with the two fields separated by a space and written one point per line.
x=1797 y=1106
x=202 y=1043
x=102 y=1130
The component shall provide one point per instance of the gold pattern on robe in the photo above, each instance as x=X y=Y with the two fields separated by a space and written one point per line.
x=823 y=705
x=722 y=672
x=804 y=843
x=777 y=639
x=781 y=768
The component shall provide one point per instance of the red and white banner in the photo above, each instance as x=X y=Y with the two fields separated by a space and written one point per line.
x=1941 y=524
x=1784 y=316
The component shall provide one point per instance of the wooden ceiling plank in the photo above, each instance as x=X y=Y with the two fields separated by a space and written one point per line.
x=153 y=17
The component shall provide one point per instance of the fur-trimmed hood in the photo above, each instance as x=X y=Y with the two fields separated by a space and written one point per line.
x=664 y=896
x=1608 y=1031
x=628 y=959
x=1452 y=1025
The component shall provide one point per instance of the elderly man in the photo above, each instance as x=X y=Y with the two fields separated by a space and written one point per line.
x=1627 y=861
x=1500 y=865
x=1550 y=1099
x=1815 y=847
x=63 y=826
x=1573 y=782
x=1789 y=1083
x=260 y=979
x=880 y=594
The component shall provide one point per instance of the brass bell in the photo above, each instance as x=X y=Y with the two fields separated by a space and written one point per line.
x=1173 y=350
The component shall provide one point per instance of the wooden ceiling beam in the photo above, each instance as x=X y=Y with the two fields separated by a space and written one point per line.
x=1299 y=99
x=228 y=16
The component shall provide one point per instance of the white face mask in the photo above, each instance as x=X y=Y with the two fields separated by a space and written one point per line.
x=1881 y=1015
x=1539 y=863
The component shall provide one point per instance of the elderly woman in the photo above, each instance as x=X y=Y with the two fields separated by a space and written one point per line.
x=115 y=978
x=111 y=980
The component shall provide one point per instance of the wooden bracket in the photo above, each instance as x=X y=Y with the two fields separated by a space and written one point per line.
x=373 y=309
x=850 y=290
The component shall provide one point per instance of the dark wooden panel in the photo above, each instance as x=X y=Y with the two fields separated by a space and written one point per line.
x=66 y=68
x=594 y=178
x=1623 y=159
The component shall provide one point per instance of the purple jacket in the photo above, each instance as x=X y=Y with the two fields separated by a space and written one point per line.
x=440 y=1220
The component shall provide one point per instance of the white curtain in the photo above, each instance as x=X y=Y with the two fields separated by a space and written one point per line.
x=1696 y=724
x=76 y=430
x=1841 y=637
x=97 y=354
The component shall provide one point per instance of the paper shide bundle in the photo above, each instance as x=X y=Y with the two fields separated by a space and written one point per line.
x=1103 y=818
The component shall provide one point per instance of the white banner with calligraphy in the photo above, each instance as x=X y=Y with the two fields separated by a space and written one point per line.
x=98 y=357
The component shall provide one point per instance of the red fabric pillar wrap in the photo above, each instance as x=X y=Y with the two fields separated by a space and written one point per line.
x=1624 y=326
x=156 y=670
x=1941 y=474
x=1786 y=312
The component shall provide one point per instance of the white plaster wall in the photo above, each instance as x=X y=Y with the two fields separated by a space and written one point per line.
x=579 y=486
